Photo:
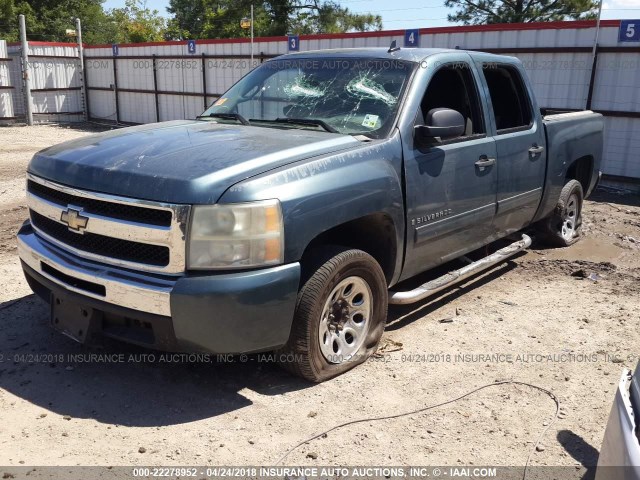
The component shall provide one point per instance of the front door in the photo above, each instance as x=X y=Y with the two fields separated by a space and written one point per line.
x=450 y=185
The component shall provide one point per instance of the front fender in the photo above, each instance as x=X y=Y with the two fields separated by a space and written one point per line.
x=323 y=192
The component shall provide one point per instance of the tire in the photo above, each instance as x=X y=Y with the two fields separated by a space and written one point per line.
x=350 y=286
x=564 y=226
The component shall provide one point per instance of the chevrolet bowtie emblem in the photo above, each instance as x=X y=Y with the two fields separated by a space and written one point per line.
x=74 y=220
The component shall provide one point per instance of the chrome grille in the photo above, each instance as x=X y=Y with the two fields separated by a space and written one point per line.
x=101 y=245
x=121 y=231
x=108 y=209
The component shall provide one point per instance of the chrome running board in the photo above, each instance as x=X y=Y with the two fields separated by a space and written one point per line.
x=451 y=278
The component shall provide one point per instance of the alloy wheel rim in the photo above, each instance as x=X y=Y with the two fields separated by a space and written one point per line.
x=345 y=320
x=570 y=218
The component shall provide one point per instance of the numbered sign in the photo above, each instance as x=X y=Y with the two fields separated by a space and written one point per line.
x=412 y=38
x=629 y=31
x=294 y=43
x=114 y=49
x=191 y=46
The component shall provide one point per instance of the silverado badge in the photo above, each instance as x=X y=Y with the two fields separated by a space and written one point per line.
x=431 y=216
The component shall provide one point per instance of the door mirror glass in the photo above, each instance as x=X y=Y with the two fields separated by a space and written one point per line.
x=441 y=124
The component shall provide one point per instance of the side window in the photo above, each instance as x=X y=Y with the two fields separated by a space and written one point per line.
x=511 y=105
x=453 y=87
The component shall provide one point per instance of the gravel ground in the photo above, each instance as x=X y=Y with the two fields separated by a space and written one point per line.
x=529 y=320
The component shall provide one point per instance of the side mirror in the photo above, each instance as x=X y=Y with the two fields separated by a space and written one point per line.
x=440 y=122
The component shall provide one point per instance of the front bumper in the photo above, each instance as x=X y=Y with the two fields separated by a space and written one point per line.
x=216 y=313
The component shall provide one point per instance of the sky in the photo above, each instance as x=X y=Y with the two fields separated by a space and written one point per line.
x=401 y=14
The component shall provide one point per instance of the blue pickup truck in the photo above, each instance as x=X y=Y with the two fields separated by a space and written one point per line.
x=284 y=216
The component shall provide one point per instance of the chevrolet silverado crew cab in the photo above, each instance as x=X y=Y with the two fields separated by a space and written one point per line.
x=283 y=217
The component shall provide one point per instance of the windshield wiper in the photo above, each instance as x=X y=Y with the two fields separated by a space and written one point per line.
x=227 y=116
x=307 y=121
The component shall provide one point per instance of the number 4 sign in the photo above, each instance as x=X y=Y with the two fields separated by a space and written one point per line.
x=412 y=38
x=629 y=31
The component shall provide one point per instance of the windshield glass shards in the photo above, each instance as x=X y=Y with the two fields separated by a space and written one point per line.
x=356 y=96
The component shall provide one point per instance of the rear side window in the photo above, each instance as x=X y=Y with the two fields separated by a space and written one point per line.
x=511 y=105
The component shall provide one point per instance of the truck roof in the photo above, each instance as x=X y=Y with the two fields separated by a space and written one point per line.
x=408 y=54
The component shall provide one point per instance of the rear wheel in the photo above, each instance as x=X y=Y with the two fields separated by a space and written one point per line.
x=340 y=315
x=564 y=226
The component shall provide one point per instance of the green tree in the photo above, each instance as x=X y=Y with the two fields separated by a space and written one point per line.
x=8 y=21
x=330 y=17
x=48 y=20
x=221 y=18
x=480 y=12
x=135 y=23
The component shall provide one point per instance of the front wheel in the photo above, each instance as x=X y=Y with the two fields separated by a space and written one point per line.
x=340 y=315
x=564 y=226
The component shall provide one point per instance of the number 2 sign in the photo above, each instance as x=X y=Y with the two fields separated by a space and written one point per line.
x=629 y=31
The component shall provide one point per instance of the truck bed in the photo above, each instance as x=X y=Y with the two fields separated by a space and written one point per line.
x=570 y=135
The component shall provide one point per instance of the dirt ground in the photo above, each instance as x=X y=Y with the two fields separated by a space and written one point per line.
x=530 y=320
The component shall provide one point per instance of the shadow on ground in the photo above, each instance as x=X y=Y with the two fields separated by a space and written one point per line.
x=92 y=127
x=581 y=451
x=618 y=197
x=121 y=385
x=402 y=315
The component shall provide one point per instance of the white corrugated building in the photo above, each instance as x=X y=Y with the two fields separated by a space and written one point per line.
x=141 y=83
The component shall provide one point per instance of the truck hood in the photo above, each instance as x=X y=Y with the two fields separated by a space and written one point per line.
x=180 y=161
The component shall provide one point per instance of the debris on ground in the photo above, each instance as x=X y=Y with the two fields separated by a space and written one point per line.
x=581 y=273
x=387 y=345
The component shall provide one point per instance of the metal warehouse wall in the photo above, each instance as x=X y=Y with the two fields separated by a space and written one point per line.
x=557 y=57
x=145 y=83
x=56 y=81
x=226 y=62
x=15 y=82
x=6 y=89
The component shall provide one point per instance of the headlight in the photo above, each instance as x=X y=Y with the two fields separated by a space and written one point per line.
x=236 y=235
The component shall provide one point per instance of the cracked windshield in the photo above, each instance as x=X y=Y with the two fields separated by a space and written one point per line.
x=349 y=96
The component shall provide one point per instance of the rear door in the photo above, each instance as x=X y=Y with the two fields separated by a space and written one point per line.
x=520 y=142
x=450 y=185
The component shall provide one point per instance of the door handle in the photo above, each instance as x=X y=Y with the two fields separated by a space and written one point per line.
x=485 y=162
x=536 y=150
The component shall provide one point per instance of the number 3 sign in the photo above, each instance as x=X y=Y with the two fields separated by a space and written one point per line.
x=294 y=43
